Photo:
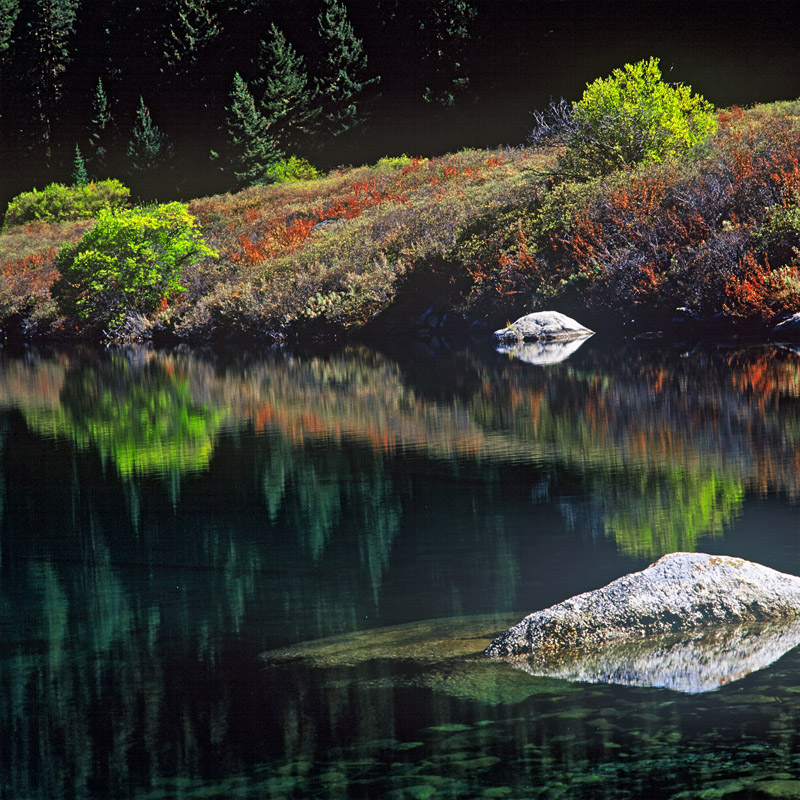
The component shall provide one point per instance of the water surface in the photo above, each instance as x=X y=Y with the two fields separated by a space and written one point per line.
x=179 y=529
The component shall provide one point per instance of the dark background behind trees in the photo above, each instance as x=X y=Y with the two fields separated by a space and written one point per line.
x=453 y=73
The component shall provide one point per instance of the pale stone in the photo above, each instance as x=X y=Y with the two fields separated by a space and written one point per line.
x=788 y=330
x=680 y=592
x=542 y=325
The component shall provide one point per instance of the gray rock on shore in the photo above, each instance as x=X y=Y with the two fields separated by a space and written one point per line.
x=680 y=592
x=788 y=330
x=542 y=325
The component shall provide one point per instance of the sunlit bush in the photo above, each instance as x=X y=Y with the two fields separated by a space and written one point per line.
x=58 y=202
x=292 y=169
x=628 y=118
x=130 y=261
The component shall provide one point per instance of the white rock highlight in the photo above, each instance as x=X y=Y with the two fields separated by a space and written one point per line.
x=680 y=592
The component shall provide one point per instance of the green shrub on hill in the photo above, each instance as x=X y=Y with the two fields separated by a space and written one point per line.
x=57 y=202
x=634 y=117
x=292 y=168
x=130 y=261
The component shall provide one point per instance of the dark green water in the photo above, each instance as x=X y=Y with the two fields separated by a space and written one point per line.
x=179 y=529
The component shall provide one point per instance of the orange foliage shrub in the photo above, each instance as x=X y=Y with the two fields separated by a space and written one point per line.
x=696 y=233
x=758 y=290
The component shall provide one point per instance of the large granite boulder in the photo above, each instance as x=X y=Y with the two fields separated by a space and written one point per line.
x=680 y=592
x=542 y=325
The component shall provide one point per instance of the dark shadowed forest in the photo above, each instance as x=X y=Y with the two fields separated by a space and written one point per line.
x=142 y=91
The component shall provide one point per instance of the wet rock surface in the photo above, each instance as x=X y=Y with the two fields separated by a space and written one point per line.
x=680 y=592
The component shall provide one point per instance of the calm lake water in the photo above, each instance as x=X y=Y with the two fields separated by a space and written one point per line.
x=270 y=575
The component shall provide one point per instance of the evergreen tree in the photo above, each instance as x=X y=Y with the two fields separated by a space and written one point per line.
x=344 y=70
x=148 y=148
x=79 y=174
x=193 y=26
x=287 y=98
x=42 y=55
x=252 y=147
x=446 y=30
x=9 y=9
x=100 y=133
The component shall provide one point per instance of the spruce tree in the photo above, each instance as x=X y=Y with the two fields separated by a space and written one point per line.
x=100 y=133
x=148 y=148
x=79 y=174
x=343 y=71
x=446 y=29
x=252 y=148
x=287 y=98
x=9 y=9
x=193 y=26
x=42 y=53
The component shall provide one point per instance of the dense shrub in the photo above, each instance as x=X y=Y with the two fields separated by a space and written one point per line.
x=337 y=251
x=58 y=202
x=131 y=261
x=633 y=117
x=25 y=299
x=487 y=233
x=719 y=234
x=292 y=169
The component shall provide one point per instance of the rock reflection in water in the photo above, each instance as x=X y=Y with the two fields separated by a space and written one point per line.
x=543 y=353
x=701 y=662
x=446 y=656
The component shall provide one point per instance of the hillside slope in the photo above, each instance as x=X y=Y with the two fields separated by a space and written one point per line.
x=475 y=237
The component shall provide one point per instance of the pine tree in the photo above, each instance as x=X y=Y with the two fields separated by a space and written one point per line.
x=446 y=28
x=287 y=98
x=192 y=28
x=43 y=55
x=343 y=71
x=79 y=174
x=9 y=9
x=252 y=147
x=100 y=133
x=148 y=148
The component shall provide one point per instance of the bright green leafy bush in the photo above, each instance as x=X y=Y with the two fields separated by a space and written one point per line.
x=632 y=117
x=292 y=169
x=394 y=162
x=58 y=202
x=130 y=261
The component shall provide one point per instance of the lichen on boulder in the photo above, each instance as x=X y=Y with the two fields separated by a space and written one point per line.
x=680 y=592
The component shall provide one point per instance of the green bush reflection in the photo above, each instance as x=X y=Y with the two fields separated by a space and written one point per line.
x=665 y=466
x=161 y=514
x=651 y=514
x=141 y=417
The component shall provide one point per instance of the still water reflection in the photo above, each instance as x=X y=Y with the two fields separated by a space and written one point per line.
x=167 y=518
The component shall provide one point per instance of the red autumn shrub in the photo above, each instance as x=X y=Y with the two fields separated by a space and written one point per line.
x=717 y=233
x=758 y=290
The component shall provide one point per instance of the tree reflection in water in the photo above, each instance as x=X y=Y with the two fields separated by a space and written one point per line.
x=167 y=516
